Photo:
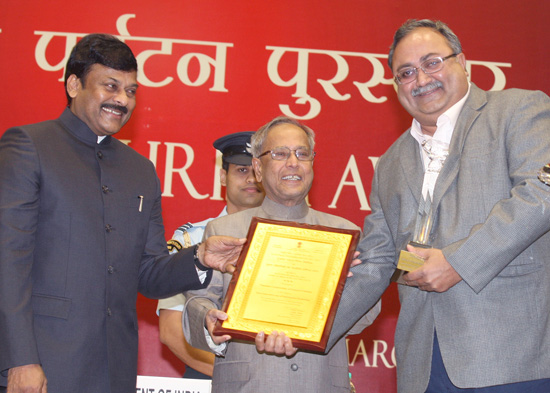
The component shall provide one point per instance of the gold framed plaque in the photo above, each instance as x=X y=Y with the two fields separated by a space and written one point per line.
x=289 y=277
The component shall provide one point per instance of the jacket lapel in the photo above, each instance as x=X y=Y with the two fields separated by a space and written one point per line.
x=412 y=166
x=471 y=110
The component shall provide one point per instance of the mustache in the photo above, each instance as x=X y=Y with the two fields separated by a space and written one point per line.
x=117 y=108
x=428 y=87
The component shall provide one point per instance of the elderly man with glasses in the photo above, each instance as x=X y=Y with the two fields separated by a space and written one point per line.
x=283 y=162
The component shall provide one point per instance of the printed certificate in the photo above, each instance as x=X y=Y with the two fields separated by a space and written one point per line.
x=289 y=278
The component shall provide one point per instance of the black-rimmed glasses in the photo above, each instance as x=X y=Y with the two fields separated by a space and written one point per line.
x=409 y=74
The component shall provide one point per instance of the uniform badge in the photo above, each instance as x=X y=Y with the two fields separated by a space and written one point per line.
x=174 y=245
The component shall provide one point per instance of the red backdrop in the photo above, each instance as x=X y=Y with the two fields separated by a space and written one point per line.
x=208 y=68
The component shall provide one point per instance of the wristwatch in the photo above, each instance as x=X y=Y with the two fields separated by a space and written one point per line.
x=196 y=260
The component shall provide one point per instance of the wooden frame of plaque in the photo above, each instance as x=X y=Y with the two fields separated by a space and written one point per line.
x=289 y=277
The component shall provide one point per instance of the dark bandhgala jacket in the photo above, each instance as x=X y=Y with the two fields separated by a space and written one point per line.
x=80 y=234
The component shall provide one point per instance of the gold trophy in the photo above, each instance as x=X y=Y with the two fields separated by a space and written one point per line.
x=544 y=174
x=407 y=260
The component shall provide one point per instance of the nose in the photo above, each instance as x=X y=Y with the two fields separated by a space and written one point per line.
x=422 y=78
x=251 y=177
x=121 y=98
x=292 y=160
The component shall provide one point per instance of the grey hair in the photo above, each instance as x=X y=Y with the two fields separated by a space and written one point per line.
x=259 y=137
x=413 y=24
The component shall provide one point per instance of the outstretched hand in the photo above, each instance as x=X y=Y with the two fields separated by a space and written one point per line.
x=221 y=252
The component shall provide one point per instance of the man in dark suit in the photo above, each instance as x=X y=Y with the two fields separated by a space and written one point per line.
x=81 y=233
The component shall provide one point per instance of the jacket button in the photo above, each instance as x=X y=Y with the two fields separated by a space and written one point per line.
x=99 y=155
x=108 y=228
x=109 y=313
x=105 y=189
x=294 y=367
x=111 y=269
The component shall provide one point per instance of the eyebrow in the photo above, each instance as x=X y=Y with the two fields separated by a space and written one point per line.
x=134 y=85
x=292 y=148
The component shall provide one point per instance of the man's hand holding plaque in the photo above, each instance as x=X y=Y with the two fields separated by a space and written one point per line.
x=214 y=317
x=277 y=343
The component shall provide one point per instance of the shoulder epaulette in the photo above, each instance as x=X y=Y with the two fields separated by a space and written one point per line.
x=185 y=227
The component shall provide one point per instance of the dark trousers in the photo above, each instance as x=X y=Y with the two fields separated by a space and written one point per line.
x=191 y=373
x=440 y=382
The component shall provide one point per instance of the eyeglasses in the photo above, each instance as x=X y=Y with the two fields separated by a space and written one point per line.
x=282 y=153
x=407 y=75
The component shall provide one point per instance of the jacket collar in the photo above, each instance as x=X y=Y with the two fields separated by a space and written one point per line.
x=274 y=209
x=80 y=129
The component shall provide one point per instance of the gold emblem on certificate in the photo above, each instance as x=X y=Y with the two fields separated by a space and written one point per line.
x=289 y=278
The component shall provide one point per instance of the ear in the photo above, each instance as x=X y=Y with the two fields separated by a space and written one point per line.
x=73 y=85
x=223 y=177
x=462 y=60
x=257 y=166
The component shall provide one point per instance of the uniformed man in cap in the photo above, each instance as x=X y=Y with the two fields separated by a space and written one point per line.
x=242 y=191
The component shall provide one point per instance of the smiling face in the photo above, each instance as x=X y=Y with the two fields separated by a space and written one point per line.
x=106 y=99
x=430 y=95
x=242 y=191
x=285 y=182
